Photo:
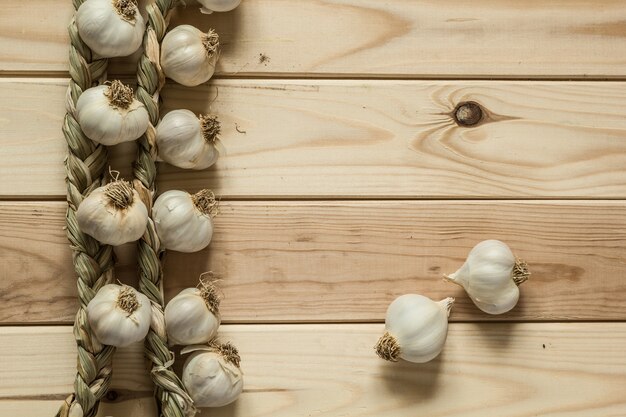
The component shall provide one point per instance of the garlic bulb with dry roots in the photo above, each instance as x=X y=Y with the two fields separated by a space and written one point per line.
x=188 y=56
x=110 y=28
x=491 y=276
x=119 y=315
x=187 y=141
x=109 y=114
x=415 y=329
x=212 y=375
x=192 y=317
x=113 y=214
x=210 y=6
x=184 y=222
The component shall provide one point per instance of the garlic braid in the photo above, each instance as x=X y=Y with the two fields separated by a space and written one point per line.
x=93 y=262
x=172 y=398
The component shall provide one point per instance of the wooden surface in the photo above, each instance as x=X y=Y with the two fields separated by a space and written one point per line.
x=297 y=261
x=356 y=139
x=520 y=370
x=346 y=182
x=367 y=38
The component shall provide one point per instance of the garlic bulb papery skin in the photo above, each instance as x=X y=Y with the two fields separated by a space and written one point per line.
x=119 y=315
x=184 y=222
x=415 y=329
x=192 y=317
x=109 y=114
x=491 y=276
x=113 y=214
x=212 y=375
x=187 y=141
x=111 y=28
x=188 y=55
x=210 y=6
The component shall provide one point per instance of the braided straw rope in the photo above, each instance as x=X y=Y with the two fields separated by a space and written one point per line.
x=172 y=398
x=85 y=169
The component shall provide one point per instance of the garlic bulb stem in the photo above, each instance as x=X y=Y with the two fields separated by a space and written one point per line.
x=520 y=272
x=120 y=96
x=206 y=203
x=127 y=300
x=210 y=127
x=120 y=194
x=388 y=347
x=211 y=42
x=126 y=9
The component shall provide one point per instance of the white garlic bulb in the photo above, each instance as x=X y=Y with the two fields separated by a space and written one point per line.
x=187 y=141
x=109 y=114
x=192 y=317
x=113 y=214
x=119 y=315
x=415 y=329
x=110 y=28
x=184 y=222
x=210 y=6
x=491 y=275
x=212 y=375
x=188 y=56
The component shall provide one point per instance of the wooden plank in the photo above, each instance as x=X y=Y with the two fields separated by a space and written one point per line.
x=338 y=138
x=520 y=370
x=344 y=261
x=482 y=38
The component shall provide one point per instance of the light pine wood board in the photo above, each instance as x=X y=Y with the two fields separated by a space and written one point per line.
x=357 y=139
x=344 y=261
x=515 y=370
x=356 y=38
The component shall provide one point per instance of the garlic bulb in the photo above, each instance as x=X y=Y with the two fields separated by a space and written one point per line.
x=109 y=114
x=188 y=56
x=111 y=27
x=184 y=222
x=210 y=6
x=113 y=214
x=192 y=317
x=212 y=375
x=491 y=275
x=119 y=315
x=415 y=328
x=187 y=141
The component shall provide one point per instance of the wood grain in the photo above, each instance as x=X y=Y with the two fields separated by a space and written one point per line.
x=344 y=261
x=517 y=370
x=358 y=139
x=356 y=38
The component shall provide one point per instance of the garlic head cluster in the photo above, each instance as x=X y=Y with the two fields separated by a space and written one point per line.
x=210 y=6
x=111 y=28
x=184 y=222
x=113 y=214
x=491 y=276
x=187 y=141
x=415 y=329
x=212 y=375
x=192 y=317
x=109 y=114
x=189 y=56
x=119 y=315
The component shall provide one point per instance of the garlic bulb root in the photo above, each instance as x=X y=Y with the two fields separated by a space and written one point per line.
x=388 y=348
x=120 y=96
x=520 y=272
x=210 y=127
x=206 y=203
x=211 y=42
x=126 y=9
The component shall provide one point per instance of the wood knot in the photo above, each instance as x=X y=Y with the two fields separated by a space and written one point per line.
x=468 y=113
x=111 y=395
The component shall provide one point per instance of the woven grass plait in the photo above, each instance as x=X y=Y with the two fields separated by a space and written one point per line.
x=172 y=398
x=85 y=167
